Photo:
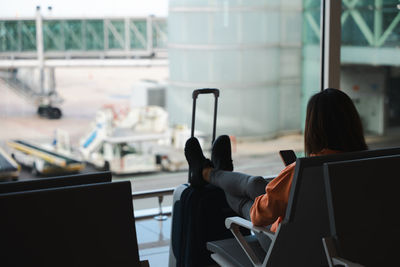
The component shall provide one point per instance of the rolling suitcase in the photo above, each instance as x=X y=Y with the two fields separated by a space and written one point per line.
x=198 y=214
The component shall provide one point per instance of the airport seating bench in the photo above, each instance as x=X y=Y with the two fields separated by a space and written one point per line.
x=82 y=225
x=51 y=182
x=362 y=199
x=298 y=239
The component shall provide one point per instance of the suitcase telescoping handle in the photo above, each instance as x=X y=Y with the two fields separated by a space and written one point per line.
x=195 y=94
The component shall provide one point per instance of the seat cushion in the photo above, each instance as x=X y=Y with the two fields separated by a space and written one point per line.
x=231 y=250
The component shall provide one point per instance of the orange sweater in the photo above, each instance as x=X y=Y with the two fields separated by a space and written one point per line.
x=270 y=208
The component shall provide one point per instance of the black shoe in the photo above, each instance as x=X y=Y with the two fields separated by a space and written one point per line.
x=197 y=162
x=221 y=155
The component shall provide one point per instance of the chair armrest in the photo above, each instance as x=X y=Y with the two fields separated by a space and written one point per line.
x=269 y=178
x=248 y=225
x=234 y=223
x=344 y=262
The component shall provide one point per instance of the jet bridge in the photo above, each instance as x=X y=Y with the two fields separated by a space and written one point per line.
x=43 y=43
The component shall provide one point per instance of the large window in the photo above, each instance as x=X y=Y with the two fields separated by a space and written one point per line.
x=370 y=60
x=264 y=56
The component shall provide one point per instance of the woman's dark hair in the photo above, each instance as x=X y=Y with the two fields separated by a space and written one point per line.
x=332 y=122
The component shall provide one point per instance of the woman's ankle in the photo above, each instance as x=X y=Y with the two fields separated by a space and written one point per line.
x=206 y=173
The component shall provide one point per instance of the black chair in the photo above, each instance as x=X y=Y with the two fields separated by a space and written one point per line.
x=60 y=181
x=297 y=241
x=362 y=199
x=85 y=225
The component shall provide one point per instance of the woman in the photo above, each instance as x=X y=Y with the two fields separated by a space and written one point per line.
x=332 y=126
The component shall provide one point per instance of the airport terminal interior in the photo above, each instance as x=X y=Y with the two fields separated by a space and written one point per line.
x=104 y=91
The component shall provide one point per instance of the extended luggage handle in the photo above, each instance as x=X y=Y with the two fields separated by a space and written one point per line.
x=205 y=91
x=195 y=94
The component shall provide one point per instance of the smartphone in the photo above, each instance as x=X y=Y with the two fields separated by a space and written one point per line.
x=287 y=156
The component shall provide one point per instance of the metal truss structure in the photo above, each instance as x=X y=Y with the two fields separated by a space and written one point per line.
x=370 y=23
x=44 y=43
x=66 y=38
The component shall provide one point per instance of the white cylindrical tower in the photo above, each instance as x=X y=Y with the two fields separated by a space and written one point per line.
x=232 y=45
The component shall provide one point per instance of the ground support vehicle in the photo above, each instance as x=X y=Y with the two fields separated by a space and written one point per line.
x=137 y=140
x=134 y=153
x=42 y=160
x=9 y=169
